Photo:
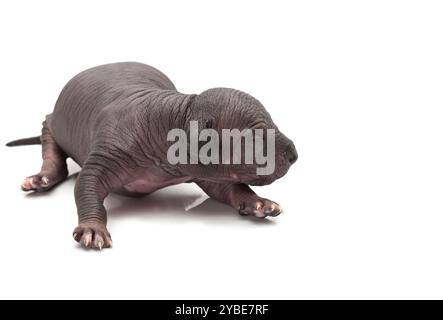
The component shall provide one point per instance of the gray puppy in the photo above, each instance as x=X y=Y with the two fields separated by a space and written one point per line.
x=113 y=120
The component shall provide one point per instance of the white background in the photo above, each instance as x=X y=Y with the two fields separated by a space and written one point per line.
x=357 y=85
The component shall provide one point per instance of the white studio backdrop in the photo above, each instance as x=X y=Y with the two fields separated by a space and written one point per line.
x=357 y=85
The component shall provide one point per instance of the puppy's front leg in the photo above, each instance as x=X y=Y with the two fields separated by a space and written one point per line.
x=241 y=197
x=93 y=185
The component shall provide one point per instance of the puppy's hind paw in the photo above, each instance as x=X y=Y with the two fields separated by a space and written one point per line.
x=36 y=183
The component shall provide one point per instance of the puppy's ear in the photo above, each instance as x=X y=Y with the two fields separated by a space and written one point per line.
x=201 y=110
x=200 y=118
x=208 y=123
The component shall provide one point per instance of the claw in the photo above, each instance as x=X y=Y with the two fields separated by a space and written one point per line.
x=45 y=181
x=269 y=209
x=26 y=184
x=87 y=239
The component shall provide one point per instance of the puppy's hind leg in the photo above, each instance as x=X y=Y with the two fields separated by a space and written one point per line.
x=54 y=168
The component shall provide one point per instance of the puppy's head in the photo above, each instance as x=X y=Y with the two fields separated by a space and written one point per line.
x=238 y=141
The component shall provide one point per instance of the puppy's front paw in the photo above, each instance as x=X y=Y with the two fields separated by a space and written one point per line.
x=259 y=207
x=93 y=235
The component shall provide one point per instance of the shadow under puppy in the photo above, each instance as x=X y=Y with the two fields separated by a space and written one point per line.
x=114 y=120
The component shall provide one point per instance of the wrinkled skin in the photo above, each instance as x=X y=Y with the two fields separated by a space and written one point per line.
x=113 y=121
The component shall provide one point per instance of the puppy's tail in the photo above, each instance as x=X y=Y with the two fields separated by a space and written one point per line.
x=24 y=142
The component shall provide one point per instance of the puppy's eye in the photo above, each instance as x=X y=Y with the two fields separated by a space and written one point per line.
x=259 y=126
x=208 y=124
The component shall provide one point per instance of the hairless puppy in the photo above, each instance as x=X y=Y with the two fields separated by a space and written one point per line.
x=113 y=120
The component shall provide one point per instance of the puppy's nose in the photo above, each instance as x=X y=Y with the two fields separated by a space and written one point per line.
x=291 y=153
